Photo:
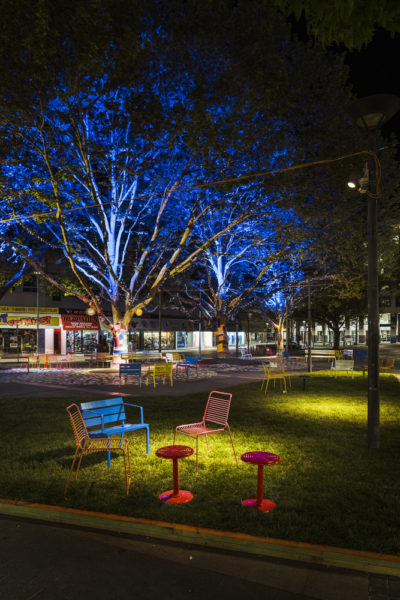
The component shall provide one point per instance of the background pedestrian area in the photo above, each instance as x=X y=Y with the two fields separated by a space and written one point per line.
x=217 y=372
x=110 y=377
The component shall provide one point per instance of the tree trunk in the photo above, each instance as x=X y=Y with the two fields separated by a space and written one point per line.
x=222 y=337
x=279 y=337
x=120 y=336
x=336 y=337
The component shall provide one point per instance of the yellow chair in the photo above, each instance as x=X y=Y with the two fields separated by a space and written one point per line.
x=386 y=364
x=43 y=361
x=85 y=444
x=163 y=370
x=273 y=376
x=280 y=368
x=103 y=359
x=33 y=361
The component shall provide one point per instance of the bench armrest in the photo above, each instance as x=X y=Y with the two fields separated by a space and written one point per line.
x=136 y=406
x=97 y=414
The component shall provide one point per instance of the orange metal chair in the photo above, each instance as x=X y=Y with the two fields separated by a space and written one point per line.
x=86 y=444
x=216 y=413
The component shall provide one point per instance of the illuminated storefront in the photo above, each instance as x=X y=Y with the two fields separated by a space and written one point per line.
x=81 y=333
x=20 y=331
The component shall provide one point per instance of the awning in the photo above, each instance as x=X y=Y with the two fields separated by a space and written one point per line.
x=80 y=322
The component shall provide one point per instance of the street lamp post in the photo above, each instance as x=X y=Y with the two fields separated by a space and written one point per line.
x=37 y=310
x=370 y=114
x=248 y=332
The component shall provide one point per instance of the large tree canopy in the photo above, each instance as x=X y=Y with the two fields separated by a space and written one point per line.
x=352 y=23
x=133 y=146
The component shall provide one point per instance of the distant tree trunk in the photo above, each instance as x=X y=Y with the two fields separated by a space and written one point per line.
x=336 y=336
x=222 y=337
x=278 y=326
x=120 y=337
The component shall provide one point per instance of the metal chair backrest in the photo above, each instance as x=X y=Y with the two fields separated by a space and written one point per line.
x=163 y=369
x=77 y=424
x=191 y=360
x=130 y=369
x=266 y=368
x=217 y=408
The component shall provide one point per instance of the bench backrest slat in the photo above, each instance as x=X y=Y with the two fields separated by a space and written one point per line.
x=344 y=364
x=191 y=360
x=112 y=410
x=130 y=369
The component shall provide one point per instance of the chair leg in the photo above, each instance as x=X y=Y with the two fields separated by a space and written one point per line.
x=197 y=455
x=208 y=448
x=70 y=472
x=174 y=436
x=79 y=464
x=233 y=447
x=128 y=475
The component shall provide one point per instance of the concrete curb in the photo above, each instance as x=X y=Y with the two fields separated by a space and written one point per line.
x=314 y=555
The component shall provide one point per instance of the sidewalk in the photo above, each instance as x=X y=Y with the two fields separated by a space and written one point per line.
x=47 y=562
x=56 y=558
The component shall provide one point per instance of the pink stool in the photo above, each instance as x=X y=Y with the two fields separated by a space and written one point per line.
x=176 y=495
x=260 y=459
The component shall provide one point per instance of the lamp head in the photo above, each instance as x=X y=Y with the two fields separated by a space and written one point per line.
x=374 y=111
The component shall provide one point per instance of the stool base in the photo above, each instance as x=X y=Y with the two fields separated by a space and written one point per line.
x=265 y=506
x=181 y=496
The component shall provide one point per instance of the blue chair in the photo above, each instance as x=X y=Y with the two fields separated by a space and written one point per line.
x=131 y=369
x=105 y=418
x=190 y=362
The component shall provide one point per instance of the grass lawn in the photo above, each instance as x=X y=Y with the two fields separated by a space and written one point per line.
x=329 y=488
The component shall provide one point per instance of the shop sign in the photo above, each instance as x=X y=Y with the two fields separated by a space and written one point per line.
x=80 y=322
x=7 y=320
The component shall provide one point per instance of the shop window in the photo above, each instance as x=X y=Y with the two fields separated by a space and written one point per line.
x=82 y=342
x=151 y=340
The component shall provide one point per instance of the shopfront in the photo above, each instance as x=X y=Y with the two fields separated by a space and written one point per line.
x=22 y=333
x=81 y=333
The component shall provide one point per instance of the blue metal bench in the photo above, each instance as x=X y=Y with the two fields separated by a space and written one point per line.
x=105 y=418
x=131 y=369
x=190 y=362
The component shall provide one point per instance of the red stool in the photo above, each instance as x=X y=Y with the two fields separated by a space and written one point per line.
x=176 y=495
x=260 y=459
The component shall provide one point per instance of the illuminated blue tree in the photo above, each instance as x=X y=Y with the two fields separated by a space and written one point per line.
x=119 y=145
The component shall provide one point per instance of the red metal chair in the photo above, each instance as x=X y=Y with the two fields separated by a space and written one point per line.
x=216 y=413
x=86 y=444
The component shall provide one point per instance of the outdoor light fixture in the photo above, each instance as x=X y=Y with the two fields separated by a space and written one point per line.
x=362 y=182
x=90 y=311
x=352 y=182
x=138 y=312
x=370 y=114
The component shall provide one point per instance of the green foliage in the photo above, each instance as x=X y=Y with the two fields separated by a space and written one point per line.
x=351 y=23
x=329 y=489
